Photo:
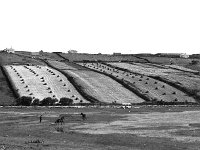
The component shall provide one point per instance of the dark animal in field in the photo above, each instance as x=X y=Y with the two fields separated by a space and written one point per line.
x=60 y=120
x=83 y=116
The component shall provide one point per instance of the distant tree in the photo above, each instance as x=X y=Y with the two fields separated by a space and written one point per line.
x=24 y=101
x=194 y=62
x=65 y=101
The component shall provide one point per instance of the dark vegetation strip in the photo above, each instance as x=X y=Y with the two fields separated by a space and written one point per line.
x=189 y=92
x=146 y=60
x=10 y=85
x=75 y=84
x=59 y=55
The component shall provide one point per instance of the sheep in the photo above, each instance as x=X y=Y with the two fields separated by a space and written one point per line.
x=164 y=94
x=155 y=82
x=163 y=86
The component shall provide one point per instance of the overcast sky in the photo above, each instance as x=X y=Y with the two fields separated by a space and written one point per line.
x=105 y=26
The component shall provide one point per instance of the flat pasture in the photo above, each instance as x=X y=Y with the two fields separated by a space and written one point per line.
x=138 y=128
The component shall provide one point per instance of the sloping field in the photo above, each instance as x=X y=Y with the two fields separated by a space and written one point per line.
x=181 y=79
x=168 y=60
x=10 y=59
x=102 y=57
x=103 y=88
x=6 y=95
x=41 y=82
x=182 y=68
x=154 y=89
x=143 y=69
x=99 y=86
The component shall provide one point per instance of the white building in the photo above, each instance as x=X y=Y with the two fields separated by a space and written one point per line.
x=9 y=50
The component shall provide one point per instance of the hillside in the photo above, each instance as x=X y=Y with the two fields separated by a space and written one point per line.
x=154 y=89
x=98 y=86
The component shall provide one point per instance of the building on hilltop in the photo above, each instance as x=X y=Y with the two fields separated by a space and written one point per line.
x=9 y=50
x=72 y=51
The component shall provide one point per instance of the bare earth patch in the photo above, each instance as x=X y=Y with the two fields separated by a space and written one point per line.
x=149 y=125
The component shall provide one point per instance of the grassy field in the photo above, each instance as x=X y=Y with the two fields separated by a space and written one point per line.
x=139 y=128
x=41 y=82
x=154 y=89
x=98 y=86
x=6 y=94
x=10 y=59
x=186 y=81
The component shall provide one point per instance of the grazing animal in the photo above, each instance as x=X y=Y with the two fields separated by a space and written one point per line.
x=83 y=116
x=60 y=120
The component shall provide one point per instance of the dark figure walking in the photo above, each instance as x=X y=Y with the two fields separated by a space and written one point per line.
x=83 y=116
x=40 y=118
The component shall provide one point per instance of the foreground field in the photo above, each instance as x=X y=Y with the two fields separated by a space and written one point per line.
x=140 y=128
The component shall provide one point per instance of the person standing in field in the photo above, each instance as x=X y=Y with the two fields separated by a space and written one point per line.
x=40 y=118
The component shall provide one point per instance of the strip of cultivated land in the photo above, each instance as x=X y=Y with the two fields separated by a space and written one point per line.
x=184 y=81
x=96 y=85
x=40 y=82
x=7 y=96
x=154 y=89
x=77 y=57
